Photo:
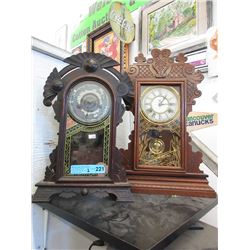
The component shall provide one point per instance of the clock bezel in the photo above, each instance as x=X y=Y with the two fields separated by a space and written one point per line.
x=78 y=120
x=169 y=120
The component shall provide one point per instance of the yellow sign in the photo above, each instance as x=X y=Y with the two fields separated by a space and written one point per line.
x=121 y=22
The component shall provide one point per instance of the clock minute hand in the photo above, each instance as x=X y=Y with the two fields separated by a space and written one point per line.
x=161 y=102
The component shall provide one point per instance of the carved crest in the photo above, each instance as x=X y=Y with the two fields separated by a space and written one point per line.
x=81 y=59
x=90 y=62
x=161 y=65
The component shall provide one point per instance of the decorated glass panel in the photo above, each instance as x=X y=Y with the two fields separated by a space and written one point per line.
x=159 y=126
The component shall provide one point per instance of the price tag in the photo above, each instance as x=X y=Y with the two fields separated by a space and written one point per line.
x=87 y=169
x=92 y=136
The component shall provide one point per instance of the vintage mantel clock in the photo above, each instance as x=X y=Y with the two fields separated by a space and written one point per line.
x=159 y=158
x=88 y=108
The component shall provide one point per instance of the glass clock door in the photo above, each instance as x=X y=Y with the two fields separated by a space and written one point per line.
x=159 y=127
x=87 y=130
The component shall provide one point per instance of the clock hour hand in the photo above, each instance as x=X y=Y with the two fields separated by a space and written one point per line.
x=169 y=104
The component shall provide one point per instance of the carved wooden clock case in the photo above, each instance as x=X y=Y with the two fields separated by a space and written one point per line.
x=88 y=108
x=159 y=158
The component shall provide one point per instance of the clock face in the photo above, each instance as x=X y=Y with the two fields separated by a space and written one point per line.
x=160 y=104
x=89 y=102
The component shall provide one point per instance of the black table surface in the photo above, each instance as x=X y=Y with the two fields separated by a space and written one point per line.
x=200 y=236
x=150 y=222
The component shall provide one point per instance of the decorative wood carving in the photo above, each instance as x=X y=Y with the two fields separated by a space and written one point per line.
x=50 y=172
x=46 y=192
x=119 y=174
x=161 y=65
x=52 y=87
x=192 y=181
x=84 y=67
x=89 y=62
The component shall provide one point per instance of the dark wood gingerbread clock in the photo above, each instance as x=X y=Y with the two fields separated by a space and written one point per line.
x=159 y=158
x=88 y=108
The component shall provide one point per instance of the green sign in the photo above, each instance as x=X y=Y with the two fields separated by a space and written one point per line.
x=97 y=16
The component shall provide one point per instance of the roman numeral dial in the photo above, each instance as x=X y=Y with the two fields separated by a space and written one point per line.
x=160 y=104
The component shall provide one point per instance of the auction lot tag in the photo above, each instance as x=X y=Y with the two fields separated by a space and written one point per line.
x=87 y=169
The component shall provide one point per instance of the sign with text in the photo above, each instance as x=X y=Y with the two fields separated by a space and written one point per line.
x=121 y=22
x=97 y=16
x=199 y=120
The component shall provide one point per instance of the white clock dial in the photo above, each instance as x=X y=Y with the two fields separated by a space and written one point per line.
x=160 y=104
x=89 y=102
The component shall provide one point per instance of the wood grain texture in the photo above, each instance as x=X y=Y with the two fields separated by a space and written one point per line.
x=84 y=67
x=161 y=69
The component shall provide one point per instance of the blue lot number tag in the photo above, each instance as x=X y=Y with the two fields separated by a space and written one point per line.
x=87 y=169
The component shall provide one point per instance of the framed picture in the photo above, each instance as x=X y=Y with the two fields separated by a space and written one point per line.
x=104 y=41
x=198 y=59
x=175 y=24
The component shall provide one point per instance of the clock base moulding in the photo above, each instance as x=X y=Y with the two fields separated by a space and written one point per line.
x=171 y=186
x=166 y=183
x=46 y=190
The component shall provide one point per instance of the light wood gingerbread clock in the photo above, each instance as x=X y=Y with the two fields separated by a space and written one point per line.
x=159 y=158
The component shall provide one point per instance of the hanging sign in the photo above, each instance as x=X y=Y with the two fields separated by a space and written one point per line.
x=121 y=22
x=199 y=120
x=97 y=16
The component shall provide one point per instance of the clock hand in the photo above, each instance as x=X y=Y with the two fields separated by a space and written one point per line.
x=164 y=98
x=161 y=102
